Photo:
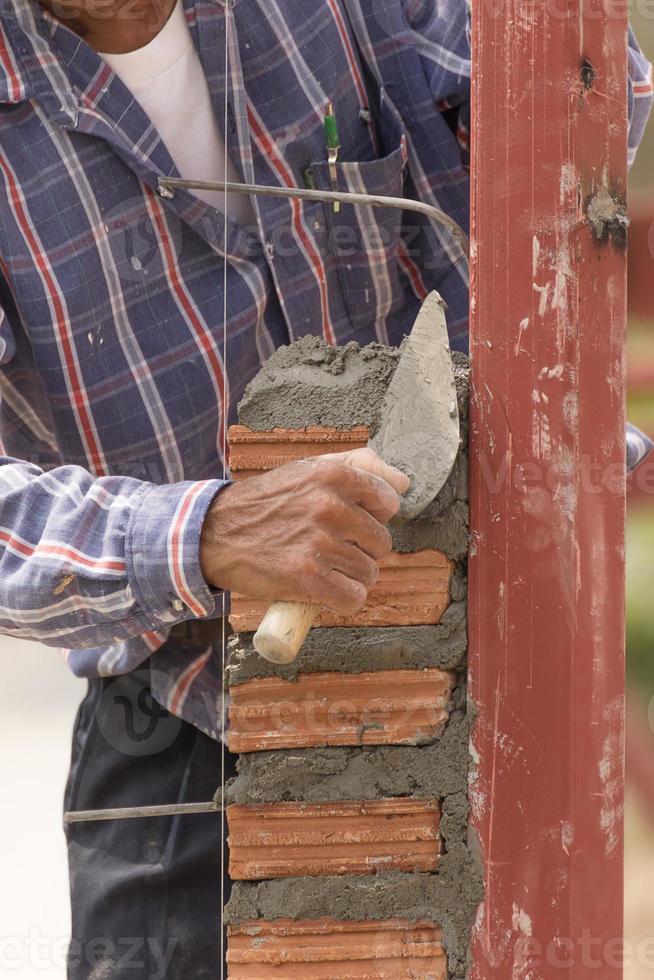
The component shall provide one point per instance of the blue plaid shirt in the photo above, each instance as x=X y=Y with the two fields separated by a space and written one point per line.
x=116 y=377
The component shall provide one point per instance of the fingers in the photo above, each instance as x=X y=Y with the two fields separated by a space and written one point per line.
x=371 y=492
x=368 y=461
x=368 y=534
x=342 y=594
x=356 y=565
x=367 y=480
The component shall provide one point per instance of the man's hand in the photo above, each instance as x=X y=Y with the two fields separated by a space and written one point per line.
x=311 y=531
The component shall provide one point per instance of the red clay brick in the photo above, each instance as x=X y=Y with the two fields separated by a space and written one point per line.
x=329 y=950
x=392 y=707
x=286 y=840
x=412 y=590
x=254 y=452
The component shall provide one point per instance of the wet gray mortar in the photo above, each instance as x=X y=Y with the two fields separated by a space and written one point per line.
x=310 y=383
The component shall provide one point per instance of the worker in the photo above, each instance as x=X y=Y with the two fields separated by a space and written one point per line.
x=130 y=323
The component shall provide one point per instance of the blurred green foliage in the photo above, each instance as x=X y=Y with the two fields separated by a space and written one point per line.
x=640 y=524
x=640 y=598
x=640 y=529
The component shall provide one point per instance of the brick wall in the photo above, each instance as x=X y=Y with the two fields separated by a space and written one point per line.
x=348 y=820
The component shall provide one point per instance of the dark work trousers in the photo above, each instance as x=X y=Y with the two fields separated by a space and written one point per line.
x=145 y=893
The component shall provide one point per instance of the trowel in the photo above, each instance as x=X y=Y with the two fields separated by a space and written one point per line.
x=418 y=433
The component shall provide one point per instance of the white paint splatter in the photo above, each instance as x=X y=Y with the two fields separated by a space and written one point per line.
x=544 y=297
x=610 y=772
x=555 y=372
x=567 y=836
x=535 y=256
x=524 y=324
x=568 y=184
x=522 y=921
x=523 y=926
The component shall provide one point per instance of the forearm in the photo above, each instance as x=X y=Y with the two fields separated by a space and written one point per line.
x=87 y=562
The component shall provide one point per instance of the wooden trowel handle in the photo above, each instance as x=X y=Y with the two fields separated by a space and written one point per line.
x=283 y=630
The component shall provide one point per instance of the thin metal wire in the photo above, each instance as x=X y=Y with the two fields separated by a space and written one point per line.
x=168 y=186
x=224 y=443
x=134 y=812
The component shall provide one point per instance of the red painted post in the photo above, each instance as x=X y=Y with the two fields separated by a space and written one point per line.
x=547 y=484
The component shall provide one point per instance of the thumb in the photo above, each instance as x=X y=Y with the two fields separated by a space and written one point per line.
x=369 y=461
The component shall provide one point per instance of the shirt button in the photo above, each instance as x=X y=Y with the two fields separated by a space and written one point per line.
x=178 y=605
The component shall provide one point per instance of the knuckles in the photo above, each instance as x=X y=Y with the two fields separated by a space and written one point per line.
x=385 y=542
x=325 y=506
x=328 y=472
x=348 y=600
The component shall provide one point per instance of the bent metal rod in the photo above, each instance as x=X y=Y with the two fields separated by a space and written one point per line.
x=168 y=185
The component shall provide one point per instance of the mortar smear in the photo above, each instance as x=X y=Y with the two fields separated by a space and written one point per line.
x=449 y=898
x=311 y=383
x=355 y=650
x=362 y=773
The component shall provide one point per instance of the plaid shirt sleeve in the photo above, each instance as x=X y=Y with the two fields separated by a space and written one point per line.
x=88 y=562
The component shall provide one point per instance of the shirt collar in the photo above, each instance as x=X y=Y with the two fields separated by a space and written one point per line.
x=29 y=65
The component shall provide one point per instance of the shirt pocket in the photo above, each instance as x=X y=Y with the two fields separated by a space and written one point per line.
x=364 y=241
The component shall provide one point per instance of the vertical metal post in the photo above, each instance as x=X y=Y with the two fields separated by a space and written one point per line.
x=547 y=485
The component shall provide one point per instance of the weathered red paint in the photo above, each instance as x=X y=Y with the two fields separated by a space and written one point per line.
x=547 y=485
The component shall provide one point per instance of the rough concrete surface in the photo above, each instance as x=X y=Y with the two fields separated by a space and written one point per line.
x=360 y=773
x=449 y=897
x=608 y=217
x=355 y=650
x=311 y=383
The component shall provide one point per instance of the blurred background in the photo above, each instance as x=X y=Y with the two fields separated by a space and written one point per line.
x=640 y=549
x=38 y=702
x=39 y=697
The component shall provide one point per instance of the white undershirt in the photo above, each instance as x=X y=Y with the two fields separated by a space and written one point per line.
x=166 y=77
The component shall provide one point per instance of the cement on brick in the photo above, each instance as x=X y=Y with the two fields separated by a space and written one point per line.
x=448 y=532
x=311 y=383
x=361 y=773
x=454 y=818
x=359 y=649
x=459 y=583
x=449 y=897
